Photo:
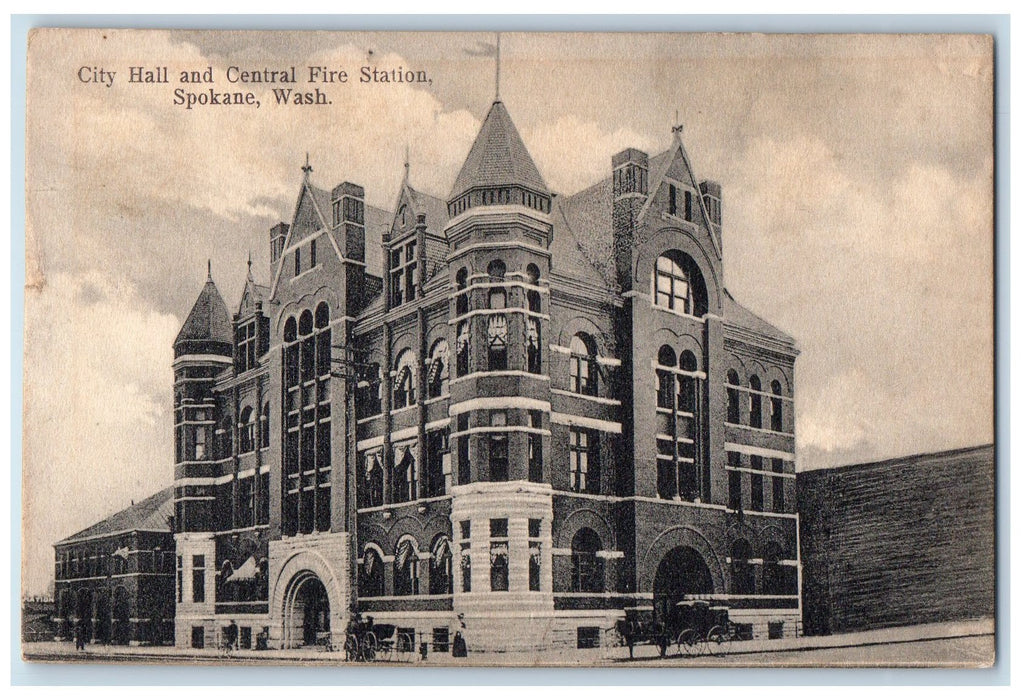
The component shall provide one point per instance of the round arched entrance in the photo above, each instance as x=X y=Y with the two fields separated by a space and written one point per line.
x=682 y=571
x=306 y=610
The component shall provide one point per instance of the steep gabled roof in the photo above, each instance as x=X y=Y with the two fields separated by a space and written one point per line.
x=208 y=319
x=589 y=218
x=434 y=208
x=151 y=515
x=498 y=157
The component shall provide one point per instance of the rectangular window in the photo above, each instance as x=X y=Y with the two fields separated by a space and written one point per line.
x=756 y=504
x=734 y=478
x=584 y=461
x=198 y=578
x=778 y=494
x=687 y=206
x=498 y=555
x=535 y=447
x=463 y=442
x=198 y=637
x=200 y=440
x=297 y=262
x=499 y=458
x=673 y=199
x=497 y=342
x=463 y=345
x=437 y=463
x=312 y=254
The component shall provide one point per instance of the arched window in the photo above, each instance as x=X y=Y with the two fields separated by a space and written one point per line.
x=438 y=373
x=496 y=269
x=462 y=294
x=441 y=580
x=733 y=398
x=776 y=407
x=678 y=284
x=533 y=331
x=404 y=380
x=586 y=566
x=463 y=346
x=583 y=365
x=741 y=572
x=406 y=567
x=246 y=428
x=665 y=378
x=755 y=402
x=370 y=577
x=405 y=473
x=370 y=487
x=264 y=426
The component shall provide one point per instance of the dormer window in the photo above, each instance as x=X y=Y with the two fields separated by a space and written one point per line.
x=246 y=346
x=403 y=266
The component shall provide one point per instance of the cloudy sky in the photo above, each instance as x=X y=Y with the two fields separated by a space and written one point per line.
x=856 y=171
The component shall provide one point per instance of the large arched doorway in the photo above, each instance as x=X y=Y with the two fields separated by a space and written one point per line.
x=681 y=572
x=307 y=610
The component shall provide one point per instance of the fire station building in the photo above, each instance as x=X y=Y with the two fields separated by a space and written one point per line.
x=508 y=409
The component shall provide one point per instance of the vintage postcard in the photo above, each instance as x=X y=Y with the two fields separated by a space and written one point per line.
x=448 y=349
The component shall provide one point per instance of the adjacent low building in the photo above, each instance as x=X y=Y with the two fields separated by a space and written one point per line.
x=899 y=542
x=115 y=579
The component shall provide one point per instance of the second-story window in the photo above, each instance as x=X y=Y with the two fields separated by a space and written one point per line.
x=755 y=402
x=246 y=429
x=438 y=372
x=403 y=273
x=404 y=380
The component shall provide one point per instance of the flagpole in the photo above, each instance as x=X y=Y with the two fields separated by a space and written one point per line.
x=497 y=67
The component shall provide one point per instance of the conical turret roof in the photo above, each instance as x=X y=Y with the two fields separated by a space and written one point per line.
x=208 y=320
x=498 y=157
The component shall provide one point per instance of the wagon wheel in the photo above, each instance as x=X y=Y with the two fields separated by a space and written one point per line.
x=717 y=641
x=404 y=648
x=688 y=642
x=351 y=648
x=369 y=646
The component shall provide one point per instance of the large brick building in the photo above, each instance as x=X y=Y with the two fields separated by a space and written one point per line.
x=115 y=579
x=524 y=410
x=899 y=542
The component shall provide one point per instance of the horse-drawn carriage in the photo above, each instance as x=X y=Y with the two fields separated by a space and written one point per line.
x=694 y=626
x=368 y=641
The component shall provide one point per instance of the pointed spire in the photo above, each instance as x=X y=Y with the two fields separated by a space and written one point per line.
x=498 y=158
x=307 y=168
x=407 y=161
x=209 y=269
x=249 y=263
x=208 y=321
x=497 y=98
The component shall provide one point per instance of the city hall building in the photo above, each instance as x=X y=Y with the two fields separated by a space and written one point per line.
x=507 y=412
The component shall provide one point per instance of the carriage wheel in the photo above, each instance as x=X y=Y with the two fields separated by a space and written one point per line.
x=369 y=646
x=404 y=648
x=717 y=642
x=351 y=648
x=688 y=642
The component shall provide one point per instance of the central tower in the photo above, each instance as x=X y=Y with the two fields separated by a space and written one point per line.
x=499 y=233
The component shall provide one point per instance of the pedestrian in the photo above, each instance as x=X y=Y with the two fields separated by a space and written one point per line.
x=460 y=648
x=79 y=638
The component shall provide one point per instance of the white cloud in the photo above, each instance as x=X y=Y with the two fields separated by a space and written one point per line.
x=97 y=412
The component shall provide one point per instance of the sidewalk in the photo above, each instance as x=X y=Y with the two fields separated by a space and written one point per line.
x=65 y=652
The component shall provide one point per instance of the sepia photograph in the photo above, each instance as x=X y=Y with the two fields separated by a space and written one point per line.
x=461 y=349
